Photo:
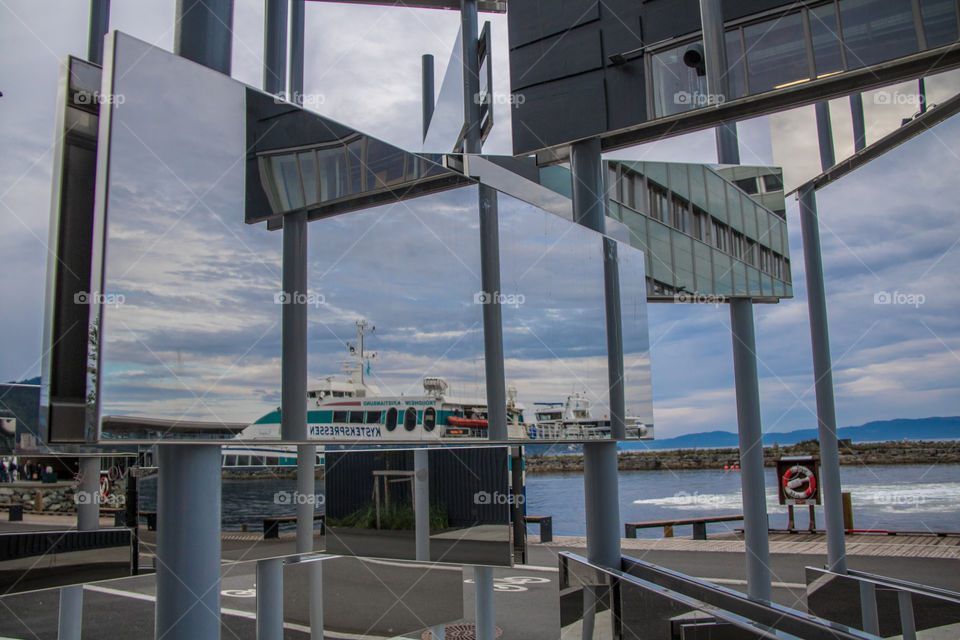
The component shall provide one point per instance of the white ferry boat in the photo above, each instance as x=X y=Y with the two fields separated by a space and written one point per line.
x=573 y=420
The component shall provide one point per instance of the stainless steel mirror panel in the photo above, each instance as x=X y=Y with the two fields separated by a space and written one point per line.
x=838 y=597
x=446 y=124
x=369 y=505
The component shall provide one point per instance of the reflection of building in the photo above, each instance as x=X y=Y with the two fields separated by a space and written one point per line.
x=701 y=233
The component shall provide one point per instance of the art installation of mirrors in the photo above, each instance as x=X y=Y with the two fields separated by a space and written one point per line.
x=793 y=133
x=370 y=502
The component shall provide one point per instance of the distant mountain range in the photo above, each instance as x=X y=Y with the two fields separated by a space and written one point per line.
x=946 y=428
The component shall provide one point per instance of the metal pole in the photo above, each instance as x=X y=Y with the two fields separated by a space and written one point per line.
x=188 y=542
x=203 y=32
x=483 y=583
x=859 y=126
x=275 y=46
x=830 y=489
x=71 y=612
x=755 y=526
x=471 y=75
x=421 y=502
x=306 y=495
x=428 y=98
x=601 y=489
x=718 y=85
x=99 y=24
x=88 y=498
x=825 y=136
x=295 y=90
x=270 y=599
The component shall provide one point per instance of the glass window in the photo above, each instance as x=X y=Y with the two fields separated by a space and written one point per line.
x=339 y=416
x=636 y=183
x=772 y=182
x=676 y=87
x=776 y=53
x=739 y=272
x=717 y=191
x=332 y=165
x=753 y=279
x=384 y=164
x=410 y=419
x=659 y=203
x=683 y=261
x=612 y=185
x=748 y=184
x=698 y=187
x=391 y=422
x=749 y=219
x=701 y=225
x=308 y=173
x=373 y=417
x=286 y=181
x=356 y=417
x=657 y=172
x=827 y=55
x=355 y=165
x=702 y=264
x=681 y=214
x=734 y=216
x=429 y=418
x=737 y=64
x=719 y=233
x=939 y=22
x=877 y=30
x=722 y=276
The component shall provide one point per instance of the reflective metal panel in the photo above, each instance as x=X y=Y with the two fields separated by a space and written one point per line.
x=370 y=505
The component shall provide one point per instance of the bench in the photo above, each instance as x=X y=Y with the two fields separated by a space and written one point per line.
x=271 y=526
x=699 y=525
x=546 y=526
x=15 y=511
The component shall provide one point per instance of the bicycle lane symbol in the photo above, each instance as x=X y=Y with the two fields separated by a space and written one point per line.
x=513 y=583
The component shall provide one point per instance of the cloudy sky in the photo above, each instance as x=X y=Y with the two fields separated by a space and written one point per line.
x=892 y=227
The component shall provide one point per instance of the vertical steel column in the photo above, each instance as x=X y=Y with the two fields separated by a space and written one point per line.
x=755 y=526
x=744 y=341
x=601 y=489
x=428 y=95
x=483 y=586
x=71 y=612
x=99 y=23
x=88 y=499
x=830 y=487
x=203 y=32
x=275 y=46
x=825 y=136
x=859 y=125
x=421 y=502
x=295 y=90
x=489 y=234
x=306 y=496
x=188 y=542
x=270 y=599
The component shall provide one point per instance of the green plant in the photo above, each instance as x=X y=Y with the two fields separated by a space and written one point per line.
x=398 y=517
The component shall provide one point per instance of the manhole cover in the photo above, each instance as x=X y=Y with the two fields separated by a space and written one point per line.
x=465 y=631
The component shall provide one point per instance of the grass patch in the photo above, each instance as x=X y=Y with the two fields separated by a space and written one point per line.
x=398 y=517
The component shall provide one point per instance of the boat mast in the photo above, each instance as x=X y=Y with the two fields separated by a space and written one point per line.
x=357 y=349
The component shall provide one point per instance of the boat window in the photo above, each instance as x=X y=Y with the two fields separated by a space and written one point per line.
x=356 y=417
x=391 y=419
x=339 y=416
x=373 y=417
x=429 y=418
x=410 y=419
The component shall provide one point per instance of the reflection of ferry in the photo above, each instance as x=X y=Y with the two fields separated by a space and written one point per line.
x=572 y=420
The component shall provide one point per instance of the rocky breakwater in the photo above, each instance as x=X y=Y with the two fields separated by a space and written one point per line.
x=53 y=497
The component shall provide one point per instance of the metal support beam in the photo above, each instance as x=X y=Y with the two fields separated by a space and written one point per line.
x=421 y=502
x=601 y=493
x=755 y=525
x=295 y=89
x=71 y=612
x=306 y=499
x=471 y=75
x=830 y=488
x=188 y=542
x=825 y=136
x=203 y=32
x=859 y=124
x=483 y=583
x=275 y=46
x=293 y=376
x=88 y=500
x=99 y=25
x=270 y=599
x=428 y=98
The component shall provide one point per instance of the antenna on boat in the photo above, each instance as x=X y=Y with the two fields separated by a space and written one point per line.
x=357 y=351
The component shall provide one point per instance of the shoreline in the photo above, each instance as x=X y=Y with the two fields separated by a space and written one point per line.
x=872 y=453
